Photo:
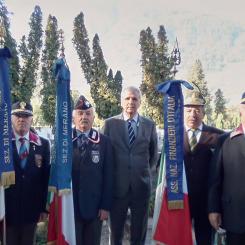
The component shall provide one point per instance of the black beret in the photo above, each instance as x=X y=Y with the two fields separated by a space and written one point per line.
x=22 y=108
x=82 y=104
x=243 y=98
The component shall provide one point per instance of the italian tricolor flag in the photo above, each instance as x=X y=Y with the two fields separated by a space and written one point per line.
x=170 y=227
x=61 y=226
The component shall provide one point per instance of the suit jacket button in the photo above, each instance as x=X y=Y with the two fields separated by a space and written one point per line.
x=23 y=176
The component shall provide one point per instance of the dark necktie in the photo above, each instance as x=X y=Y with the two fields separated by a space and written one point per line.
x=23 y=153
x=131 y=134
x=82 y=142
x=193 y=139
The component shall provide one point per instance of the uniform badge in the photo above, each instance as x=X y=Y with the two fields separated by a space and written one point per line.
x=22 y=105
x=38 y=160
x=95 y=156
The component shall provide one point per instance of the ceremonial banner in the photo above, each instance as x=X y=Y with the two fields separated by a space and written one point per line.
x=60 y=180
x=61 y=227
x=171 y=221
x=7 y=174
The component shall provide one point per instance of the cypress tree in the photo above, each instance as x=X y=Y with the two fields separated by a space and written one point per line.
x=219 y=104
x=103 y=87
x=30 y=50
x=81 y=43
x=12 y=45
x=118 y=79
x=197 y=76
x=99 y=85
x=156 y=68
x=49 y=56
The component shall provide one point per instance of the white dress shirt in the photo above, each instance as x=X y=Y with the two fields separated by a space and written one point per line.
x=198 y=132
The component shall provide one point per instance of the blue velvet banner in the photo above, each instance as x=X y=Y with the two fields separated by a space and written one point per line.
x=7 y=174
x=60 y=179
x=173 y=139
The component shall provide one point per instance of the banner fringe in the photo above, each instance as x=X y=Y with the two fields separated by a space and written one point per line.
x=172 y=205
x=64 y=192
x=7 y=178
x=52 y=189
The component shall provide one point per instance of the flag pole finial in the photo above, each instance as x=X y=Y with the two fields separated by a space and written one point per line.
x=2 y=32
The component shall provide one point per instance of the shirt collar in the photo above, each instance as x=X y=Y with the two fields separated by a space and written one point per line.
x=135 y=117
x=199 y=128
x=86 y=133
x=26 y=136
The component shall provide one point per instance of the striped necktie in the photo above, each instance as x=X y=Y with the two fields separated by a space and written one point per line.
x=23 y=153
x=193 y=139
x=131 y=134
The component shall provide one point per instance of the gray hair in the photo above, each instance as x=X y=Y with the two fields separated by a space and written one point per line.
x=130 y=89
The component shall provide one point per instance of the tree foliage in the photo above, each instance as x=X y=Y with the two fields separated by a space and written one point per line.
x=156 y=67
x=30 y=50
x=104 y=88
x=220 y=110
x=219 y=104
x=49 y=56
x=12 y=45
x=196 y=76
x=81 y=43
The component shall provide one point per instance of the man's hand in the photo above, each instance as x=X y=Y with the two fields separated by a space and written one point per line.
x=215 y=220
x=103 y=214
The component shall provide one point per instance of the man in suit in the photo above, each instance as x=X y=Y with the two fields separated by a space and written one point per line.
x=25 y=201
x=91 y=175
x=227 y=181
x=134 y=143
x=199 y=143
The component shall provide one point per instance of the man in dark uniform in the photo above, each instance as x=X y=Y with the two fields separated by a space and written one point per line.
x=199 y=143
x=91 y=175
x=227 y=181
x=26 y=200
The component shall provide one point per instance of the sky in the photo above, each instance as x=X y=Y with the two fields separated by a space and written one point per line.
x=114 y=21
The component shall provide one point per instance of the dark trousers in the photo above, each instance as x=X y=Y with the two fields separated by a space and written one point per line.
x=20 y=235
x=88 y=232
x=234 y=238
x=203 y=229
x=139 y=217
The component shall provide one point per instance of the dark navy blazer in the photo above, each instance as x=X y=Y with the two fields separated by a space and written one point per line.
x=26 y=199
x=92 y=176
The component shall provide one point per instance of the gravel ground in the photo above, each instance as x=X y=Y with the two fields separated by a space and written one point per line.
x=105 y=234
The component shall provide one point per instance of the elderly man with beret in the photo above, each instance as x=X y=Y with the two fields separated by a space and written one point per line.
x=91 y=175
x=26 y=200
x=199 y=143
x=227 y=192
